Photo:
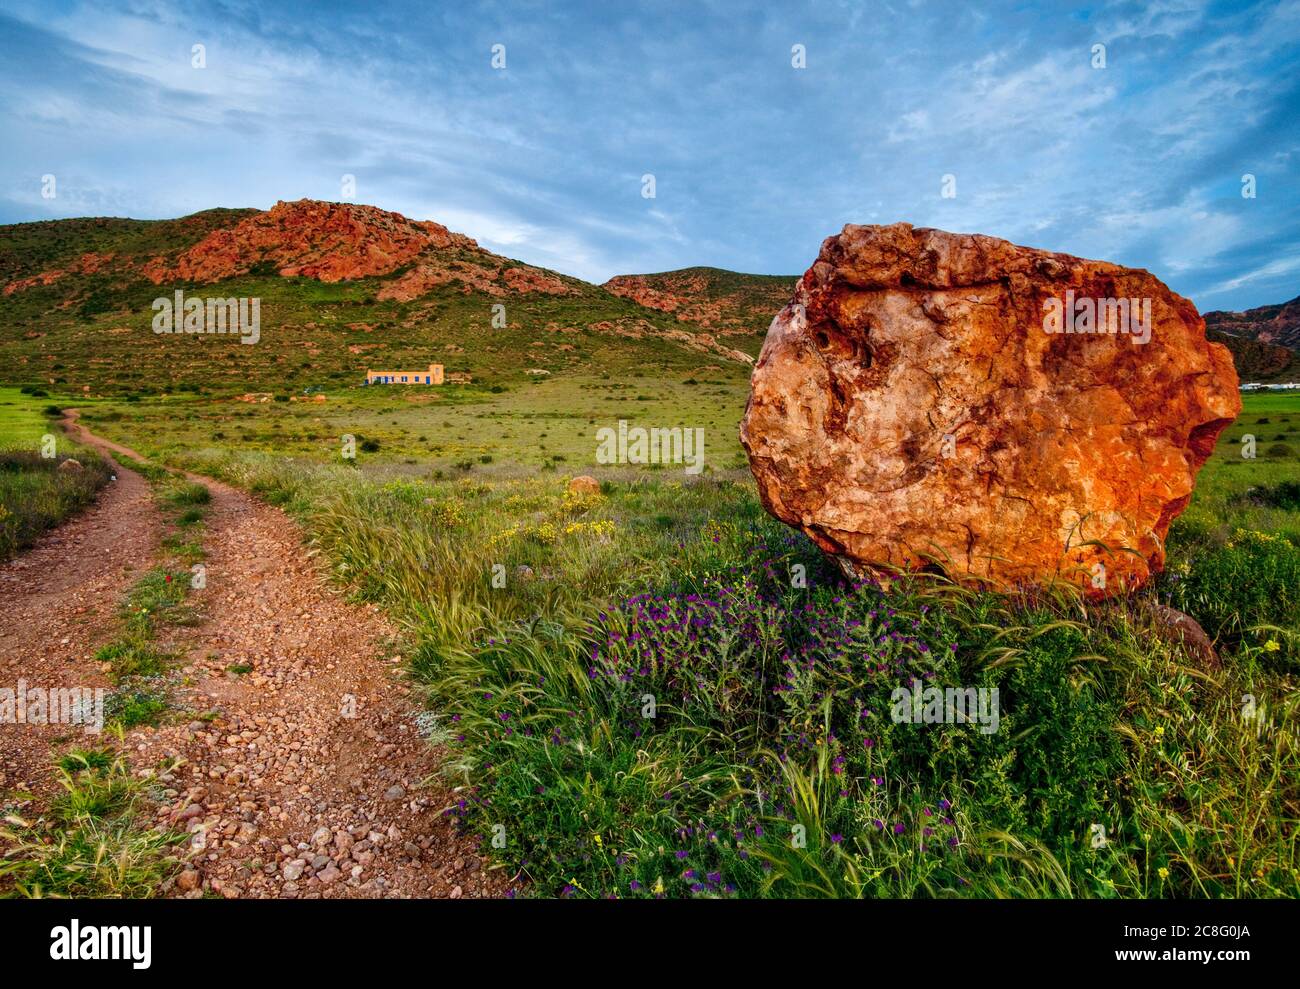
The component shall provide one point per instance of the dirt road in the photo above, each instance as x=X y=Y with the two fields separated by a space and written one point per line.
x=303 y=755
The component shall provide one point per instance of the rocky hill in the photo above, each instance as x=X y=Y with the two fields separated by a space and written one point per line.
x=1278 y=324
x=725 y=304
x=341 y=287
x=1265 y=342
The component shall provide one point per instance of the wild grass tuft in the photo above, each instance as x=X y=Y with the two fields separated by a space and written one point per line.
x=91 y=843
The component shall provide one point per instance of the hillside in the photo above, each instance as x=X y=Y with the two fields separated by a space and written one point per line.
x=1256 y=360
x=345 y=286
x=731 y=306
x=1277 y=324
x=1265 y=342
x=342 y=287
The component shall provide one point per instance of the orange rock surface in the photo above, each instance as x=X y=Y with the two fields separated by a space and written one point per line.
x=911 y=406
x=326 y=241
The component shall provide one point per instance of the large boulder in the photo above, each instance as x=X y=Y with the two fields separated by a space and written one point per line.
x=939 y=398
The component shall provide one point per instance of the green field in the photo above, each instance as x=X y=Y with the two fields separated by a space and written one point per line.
x=550 y=424
x=35 y=495
x=22 y=422
x=521 y=603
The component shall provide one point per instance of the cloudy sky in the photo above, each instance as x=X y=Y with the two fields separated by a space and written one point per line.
x=754 y=160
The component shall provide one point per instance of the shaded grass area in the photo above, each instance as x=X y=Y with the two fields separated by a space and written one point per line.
x=93 y=840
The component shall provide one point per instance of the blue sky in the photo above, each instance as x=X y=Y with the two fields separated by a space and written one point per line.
x=755 y=161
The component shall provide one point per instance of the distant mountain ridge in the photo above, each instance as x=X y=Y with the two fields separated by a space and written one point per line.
x=723 y=303
x=1265 y=341
x=1277 y=324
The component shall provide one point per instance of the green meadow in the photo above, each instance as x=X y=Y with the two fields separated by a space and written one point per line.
x=22 y=422
x=657 y=690
x=548 y=424
x=35 y=495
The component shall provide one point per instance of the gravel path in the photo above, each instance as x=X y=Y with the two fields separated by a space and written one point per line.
x=302 y=777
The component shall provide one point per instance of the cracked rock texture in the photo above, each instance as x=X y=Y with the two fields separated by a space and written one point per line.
x=909 y=407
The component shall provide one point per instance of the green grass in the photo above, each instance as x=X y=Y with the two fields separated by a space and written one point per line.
x=1104 y=724
x=94 y=841
x=132 y=708
x=35 y=495
x=22 y=420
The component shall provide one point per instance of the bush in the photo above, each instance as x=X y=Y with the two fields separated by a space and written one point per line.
x=1253 y=579
x=665 y=746
x=190 y=493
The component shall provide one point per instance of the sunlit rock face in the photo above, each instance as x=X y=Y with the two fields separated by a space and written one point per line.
x=1017 y=416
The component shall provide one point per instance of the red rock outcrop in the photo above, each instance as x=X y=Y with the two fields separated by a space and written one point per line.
x=434 y=270
x=726 y=303
x=428 y=275
x=640 y=329
x=326 y=241
x=1278 y=324
x=918 y=403
x=87 y=264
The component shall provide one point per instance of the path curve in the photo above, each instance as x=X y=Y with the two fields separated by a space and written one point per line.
x=302 y=777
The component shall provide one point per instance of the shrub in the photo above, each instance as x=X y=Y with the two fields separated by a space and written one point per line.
x=659 y=747
x=131 y=708
x=1253 y=579
x=1284 y=495
x=190 y=493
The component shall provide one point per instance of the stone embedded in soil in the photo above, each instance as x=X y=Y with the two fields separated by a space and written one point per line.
x=911 y=406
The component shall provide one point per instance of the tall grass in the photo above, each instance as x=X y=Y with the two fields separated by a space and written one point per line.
x=640 y=699
x=35 y=495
